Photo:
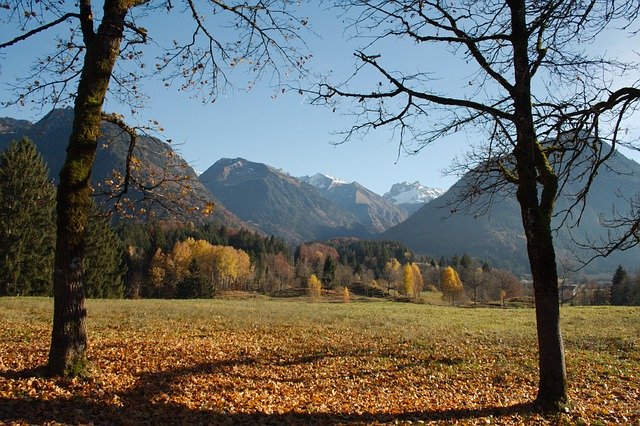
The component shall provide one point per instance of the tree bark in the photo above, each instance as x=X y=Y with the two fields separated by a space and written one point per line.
x=536 y=210
x=69 y=337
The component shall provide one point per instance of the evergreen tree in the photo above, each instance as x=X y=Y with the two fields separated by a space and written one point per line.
x=104 y=263
x=329 y=271
x=193 y=285
x=620 y=287
x=27 y=222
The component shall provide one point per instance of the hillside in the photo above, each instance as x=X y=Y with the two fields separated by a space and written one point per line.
x=157 y=161
x=499 y=237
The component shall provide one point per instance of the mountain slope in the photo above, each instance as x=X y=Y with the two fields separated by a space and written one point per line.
x=156 y=160
x=277 y=203
x=499 y=237
x=371 y=210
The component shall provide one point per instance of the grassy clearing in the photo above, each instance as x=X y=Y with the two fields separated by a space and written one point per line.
x=278 y=361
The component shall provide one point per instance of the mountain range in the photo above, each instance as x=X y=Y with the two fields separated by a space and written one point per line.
x=319 y=207
x=376 y=213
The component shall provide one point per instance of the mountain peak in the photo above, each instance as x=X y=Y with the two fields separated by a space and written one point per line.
x=412 y=193
x=322 y=181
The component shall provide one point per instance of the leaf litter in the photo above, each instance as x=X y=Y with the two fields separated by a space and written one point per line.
x=264 y=362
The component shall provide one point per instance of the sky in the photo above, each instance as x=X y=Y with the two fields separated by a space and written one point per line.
x=284 y=131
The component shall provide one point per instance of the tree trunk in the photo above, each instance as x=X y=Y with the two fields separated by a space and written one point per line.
x=69 y=336
x=536 y=210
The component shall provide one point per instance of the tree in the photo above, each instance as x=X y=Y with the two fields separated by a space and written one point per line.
x=529 y=89
x=451 y=284
x=392 y=273
x=407 y=281
x=329 y=271
x=314 y=287
x=418 y=281
x=104 y=261
x=27 y=220
x=80 y=71
x=193 y=285
x=620 y=291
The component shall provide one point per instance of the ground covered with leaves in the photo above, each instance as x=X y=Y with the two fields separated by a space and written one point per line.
x=262 y=361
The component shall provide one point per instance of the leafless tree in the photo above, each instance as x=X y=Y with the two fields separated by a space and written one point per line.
x=95 y=56
x=531 y=91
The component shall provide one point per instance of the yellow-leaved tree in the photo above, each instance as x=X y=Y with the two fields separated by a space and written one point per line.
x=407 y=281
x=314 y=287
x=451 y=285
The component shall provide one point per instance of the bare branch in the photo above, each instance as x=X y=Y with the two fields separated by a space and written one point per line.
x=35 y=31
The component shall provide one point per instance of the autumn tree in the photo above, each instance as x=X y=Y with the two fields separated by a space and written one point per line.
x=279 y=273
x=418 y=280
x=527 y=88
x=314 y=287
x=346 y=296
x=392 y=273
x=406 y=288
x=27 y=207
x=451 y=285
x=259 y=36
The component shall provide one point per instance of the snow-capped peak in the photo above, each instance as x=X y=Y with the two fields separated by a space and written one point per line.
x=412 y=193
x=322 y=181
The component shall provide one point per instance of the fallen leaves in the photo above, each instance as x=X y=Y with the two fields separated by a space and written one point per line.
x=256 y=362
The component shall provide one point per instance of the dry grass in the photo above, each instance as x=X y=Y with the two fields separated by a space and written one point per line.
x=291 y=361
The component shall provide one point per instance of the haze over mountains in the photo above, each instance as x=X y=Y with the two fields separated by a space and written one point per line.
x=319 y=207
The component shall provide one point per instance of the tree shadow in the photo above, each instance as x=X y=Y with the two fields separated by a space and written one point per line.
x=143 y=404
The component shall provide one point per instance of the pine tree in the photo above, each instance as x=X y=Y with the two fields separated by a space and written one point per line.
x=104 y=263
x=329 y=271
x=193 y=285
x=620 y=287
x=27 y=222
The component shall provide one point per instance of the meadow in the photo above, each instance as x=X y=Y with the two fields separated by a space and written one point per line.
x=289 y=361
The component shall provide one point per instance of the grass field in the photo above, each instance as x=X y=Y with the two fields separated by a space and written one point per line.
x=264 y=361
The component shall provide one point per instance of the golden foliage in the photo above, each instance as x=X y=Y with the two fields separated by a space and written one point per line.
x=407 y=281
x=451 y=284
x=314 y=287
x=346 y=296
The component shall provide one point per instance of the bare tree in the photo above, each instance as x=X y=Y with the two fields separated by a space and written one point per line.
x=99 y=56
x=527 y=80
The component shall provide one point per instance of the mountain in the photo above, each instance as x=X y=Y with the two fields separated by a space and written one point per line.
x=374 y=212
x=157 y=161
x=412 y=196
x=278 y=203
x=438 y=230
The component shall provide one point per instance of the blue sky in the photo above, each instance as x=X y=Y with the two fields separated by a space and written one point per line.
x=285 y=132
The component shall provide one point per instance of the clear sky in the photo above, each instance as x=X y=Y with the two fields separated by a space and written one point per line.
x=285 y=132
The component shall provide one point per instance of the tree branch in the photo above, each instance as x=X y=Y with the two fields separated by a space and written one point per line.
x=35 y=31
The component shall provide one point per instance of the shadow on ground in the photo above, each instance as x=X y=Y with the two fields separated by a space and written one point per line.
x=137 y=406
